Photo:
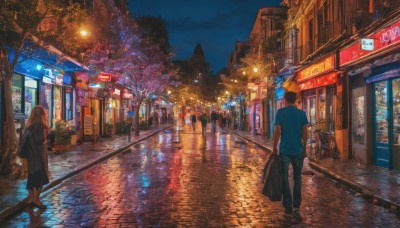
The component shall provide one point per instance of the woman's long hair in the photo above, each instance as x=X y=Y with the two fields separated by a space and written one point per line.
x=38 y=114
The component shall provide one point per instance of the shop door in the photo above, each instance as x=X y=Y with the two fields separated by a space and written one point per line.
x=358 y=124
x=381 y=125
x=396 y=124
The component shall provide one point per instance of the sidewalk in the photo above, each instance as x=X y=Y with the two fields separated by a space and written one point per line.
x=380 y=186
x=66 y=164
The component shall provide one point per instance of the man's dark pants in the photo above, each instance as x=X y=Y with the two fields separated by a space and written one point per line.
x=297 y=164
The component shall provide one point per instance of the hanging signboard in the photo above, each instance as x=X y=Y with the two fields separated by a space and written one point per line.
x=104 y=77
x=382 y=39
x=367 y=44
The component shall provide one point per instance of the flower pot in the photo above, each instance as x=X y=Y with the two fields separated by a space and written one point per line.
x=58 y=148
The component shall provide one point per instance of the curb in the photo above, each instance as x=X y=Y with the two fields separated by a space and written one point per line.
x=364 y=191
x=247 y=139
x=23 y=203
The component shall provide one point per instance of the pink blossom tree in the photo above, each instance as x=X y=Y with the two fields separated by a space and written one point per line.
x=144 y=69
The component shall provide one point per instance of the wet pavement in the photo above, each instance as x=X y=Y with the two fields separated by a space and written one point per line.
x=13 y=191
x=180 y=179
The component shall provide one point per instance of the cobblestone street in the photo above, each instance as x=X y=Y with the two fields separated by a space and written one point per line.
x=177 y=178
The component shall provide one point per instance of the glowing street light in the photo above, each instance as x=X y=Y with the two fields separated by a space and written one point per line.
x=244 y=72
x=169 y=91
x=84 y=32
x=226 y=92
x=255 y=69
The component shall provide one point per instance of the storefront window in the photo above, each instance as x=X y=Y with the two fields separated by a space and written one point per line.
x=358 y=120
x=46 y=103
x=330 y=107
x=57 y=103
x=68 y=105
x=396 y=111
x=30 y=94
x=16 y=90
x=321 y=105
x=381 y=112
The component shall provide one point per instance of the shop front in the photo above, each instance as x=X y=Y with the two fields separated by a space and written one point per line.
x=373 y=66
x=25 y=94
x=386 y=97
x=112 y=110
x=317 y=85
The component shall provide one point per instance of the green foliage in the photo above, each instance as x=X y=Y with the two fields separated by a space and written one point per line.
x=63 y=133
x=153 y=29
x=143 y=125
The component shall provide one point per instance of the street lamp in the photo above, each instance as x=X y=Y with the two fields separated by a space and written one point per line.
x=244 y=72
x=84 y=32
x=226 y=92
x=169 y=91
x=255 y=69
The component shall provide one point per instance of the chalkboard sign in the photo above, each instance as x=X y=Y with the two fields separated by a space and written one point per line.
x=88 y=125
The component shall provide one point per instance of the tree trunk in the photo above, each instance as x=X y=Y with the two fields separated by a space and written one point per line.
x=136 y=120
x=9 y=134
x=240 y=123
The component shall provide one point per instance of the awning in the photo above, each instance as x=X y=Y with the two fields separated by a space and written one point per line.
x=386 y=75
x=33 y=63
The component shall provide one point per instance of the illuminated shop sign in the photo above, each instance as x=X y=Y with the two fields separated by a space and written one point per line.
x=116 y=92
x=316 y=69
x=47 y=80
x=319 y=81
x=367 y=44
x=67 y=80
x=127 y=95
x=59 y=79
x=385 y=38
x=104 y=77
x=96 y=85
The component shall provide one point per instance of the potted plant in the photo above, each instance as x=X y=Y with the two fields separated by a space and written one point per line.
x=143 y=125
x=108 y=129
x=62 y=136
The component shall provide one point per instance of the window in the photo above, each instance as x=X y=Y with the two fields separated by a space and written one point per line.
x=381 y=113
x=16 y=90
x=31 y=89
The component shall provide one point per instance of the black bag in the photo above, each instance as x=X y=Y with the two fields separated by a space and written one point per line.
x=23 y=144
x=272 y=176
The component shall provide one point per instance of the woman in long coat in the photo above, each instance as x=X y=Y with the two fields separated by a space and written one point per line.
x=38 y=171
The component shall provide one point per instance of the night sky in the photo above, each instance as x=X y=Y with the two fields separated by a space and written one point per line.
x=215 y=24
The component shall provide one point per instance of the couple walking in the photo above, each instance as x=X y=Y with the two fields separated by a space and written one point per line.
x=203 y=119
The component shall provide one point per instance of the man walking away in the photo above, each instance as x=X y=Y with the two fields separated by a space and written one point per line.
x=203 y=119
x=194 y=122
x=214 y=118
x=291 y=128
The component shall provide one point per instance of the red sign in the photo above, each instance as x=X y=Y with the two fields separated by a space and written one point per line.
x=316 y=69
x=104 y=77
x=319 y=81
x=127 y=95
x=385 y=38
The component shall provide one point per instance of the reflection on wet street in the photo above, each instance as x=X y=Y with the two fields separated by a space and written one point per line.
x=178 y=178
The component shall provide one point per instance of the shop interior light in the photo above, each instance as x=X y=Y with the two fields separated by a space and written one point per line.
x=39 y=67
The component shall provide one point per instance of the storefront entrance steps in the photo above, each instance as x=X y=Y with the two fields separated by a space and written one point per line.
x=378 y=185
x=13 y=195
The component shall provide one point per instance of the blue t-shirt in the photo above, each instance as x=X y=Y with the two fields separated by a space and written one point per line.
x=291 y=120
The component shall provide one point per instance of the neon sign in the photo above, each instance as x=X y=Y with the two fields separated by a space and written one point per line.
x=104 y=77
x=316 y=69
x=385 y=38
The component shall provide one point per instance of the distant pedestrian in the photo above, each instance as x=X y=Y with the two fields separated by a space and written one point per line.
x=203 y=119
x=291 y=128
x=220 y=122
x=193 y=122
x=214 y=118
x=129 y=121
x=155 y=119
x=35 y=149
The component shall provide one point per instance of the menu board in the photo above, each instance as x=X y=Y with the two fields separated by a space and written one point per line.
x=88 y=125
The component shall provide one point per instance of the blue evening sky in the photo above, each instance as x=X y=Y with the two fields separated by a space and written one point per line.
x=215 y=24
